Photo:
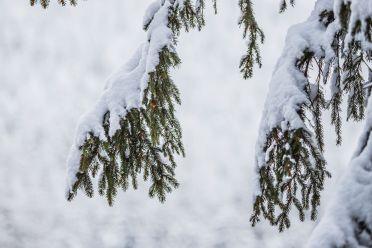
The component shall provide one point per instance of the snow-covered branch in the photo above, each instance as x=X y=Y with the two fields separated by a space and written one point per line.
x=323 y=54
x=132 y=129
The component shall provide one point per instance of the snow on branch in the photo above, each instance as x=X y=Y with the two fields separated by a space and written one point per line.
x=326 y=53
x=132 y=129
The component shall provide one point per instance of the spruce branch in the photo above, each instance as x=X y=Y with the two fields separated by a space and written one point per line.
x=290 y=167
x=293 y=174
x=255 y=37
x=145 y=140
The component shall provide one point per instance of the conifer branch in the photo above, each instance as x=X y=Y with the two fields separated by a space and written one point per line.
x=293 y=174
x=345 y=222
x=133 y=129
x=320 y=53
x=255 y=37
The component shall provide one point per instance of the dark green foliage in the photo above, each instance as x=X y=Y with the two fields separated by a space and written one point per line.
x=148 y=138
x=145 y=144
x=256 y=36
x=294 y=174
x=336 y=100
x=353 y=82
x=315 y=94
x=187 y=17
x=345 y=12
x=294 y=171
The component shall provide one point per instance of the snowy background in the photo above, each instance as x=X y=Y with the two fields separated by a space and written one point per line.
x=53 y=66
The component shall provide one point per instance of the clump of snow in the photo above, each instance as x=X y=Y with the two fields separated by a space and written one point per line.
x=151 y=11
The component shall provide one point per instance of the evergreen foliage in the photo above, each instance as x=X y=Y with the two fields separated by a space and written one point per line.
x=149 y=137
x=294 y=175
x=255 y=36
x=293 y=170
x=146 y=142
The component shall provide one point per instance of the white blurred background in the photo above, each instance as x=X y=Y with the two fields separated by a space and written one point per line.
x=53 y=66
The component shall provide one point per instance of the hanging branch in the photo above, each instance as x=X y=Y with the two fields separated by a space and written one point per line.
x=290 y=168
x=132 y=130
x=255 y=36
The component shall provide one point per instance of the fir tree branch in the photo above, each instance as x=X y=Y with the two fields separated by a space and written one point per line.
x=45 y=3
x=256 y=36
x=133 y=130
x=319 y=52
